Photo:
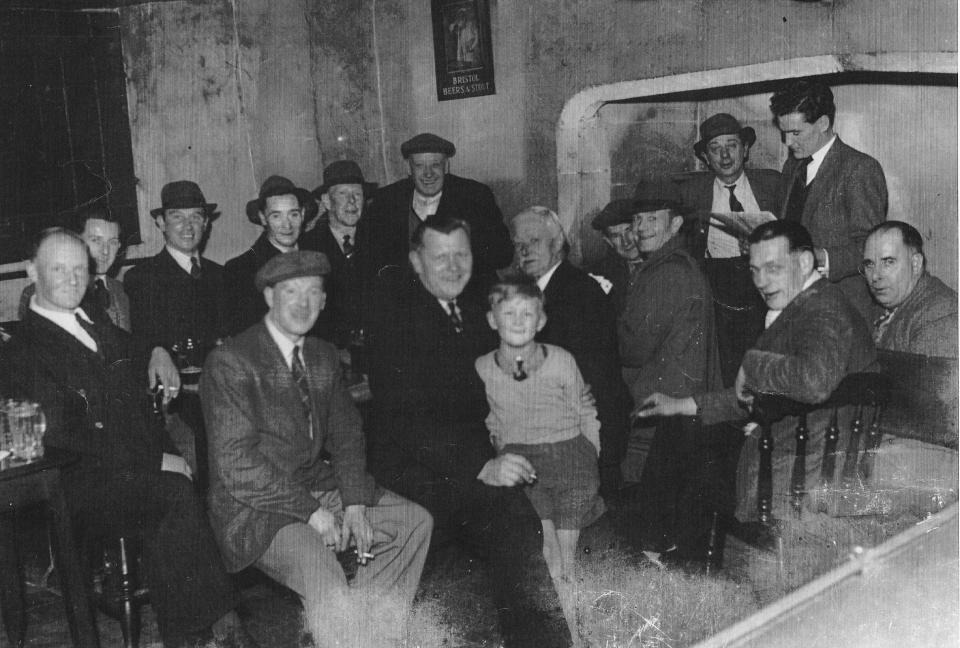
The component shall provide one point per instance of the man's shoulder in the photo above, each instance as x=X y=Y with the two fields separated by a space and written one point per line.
x=243 y=261
x=847 y=155
x=145 y=268
x=571 y=280
x=393 y=190
x=457 y=183
x=763 y=175
x=936 y=299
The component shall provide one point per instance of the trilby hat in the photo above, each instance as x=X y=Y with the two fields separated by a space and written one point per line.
x=183 y=194
x=723 y=124
x=277 y=185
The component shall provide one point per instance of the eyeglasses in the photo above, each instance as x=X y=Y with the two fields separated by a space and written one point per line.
x=885 y=266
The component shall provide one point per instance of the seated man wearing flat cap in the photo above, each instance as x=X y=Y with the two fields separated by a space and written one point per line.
x=341 y=234
x=397 y=209
x=282 y=209
x=290 y=487
x=724 y=146
x=615 y=224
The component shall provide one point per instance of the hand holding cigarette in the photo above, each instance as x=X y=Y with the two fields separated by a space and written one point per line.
x=356 y=525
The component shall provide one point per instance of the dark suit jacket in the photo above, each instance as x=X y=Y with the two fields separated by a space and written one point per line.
x=580 y=319
x=697 y=193
x=389 y=213
x=246 y=302
x=429 y=402
x=263 y=463
x=95 y=404
x=847 y=198
x=118 y=312
x=168 y=306
x=616 y=270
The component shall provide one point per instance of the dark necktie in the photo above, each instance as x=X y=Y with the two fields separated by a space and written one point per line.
x=454 y=316
x=100 y=294
x=91 y=331
x=300 y=377
x=348 y=247
x=735 y=205
x=798 y=192
x=880 y=325
x=194 y=267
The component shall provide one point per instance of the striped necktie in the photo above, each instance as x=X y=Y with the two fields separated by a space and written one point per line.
x=300 y=377
x=194 y=267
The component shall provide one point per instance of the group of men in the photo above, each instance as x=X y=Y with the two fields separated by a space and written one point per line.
x=681 y=324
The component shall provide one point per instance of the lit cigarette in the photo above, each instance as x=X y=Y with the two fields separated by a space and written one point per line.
x=368 y=556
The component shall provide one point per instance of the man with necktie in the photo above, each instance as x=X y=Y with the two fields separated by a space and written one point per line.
x=429 y=441
x=836 y=192
x=724 y=146
x=289 y=484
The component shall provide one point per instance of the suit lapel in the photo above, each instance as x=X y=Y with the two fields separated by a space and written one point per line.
x=59 y=346
x=823 y=180
x=272 y=360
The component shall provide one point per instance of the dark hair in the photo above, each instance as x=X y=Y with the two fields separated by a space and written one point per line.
x=796 y=234
x=515 y=285
x=908 y=233
x=53 y=231
x=812 y=98
x=438 y=223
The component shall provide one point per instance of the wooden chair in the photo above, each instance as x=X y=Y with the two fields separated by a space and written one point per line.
x=116 y=588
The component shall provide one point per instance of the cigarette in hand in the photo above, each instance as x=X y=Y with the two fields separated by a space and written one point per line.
x=365 y=556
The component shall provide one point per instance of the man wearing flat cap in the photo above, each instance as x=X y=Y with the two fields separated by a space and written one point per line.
x=397 y=209
x=290 y=487
x=341 y=234
x=724 y=147
x=667 y=342
x=282 y=209
x=615 y=224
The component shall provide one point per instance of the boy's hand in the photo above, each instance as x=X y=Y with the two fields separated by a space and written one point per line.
x=507 y=470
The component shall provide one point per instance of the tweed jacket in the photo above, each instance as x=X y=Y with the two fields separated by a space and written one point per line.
x=389 y=213
x=580 y=319
x=95 y=403
x=429 y=402
x=925 y=323
x=263 y=462
x=697 y=193
x=847 y=198
x=118 y=312
x=167 y=305
x=246 y=302
x=666 y=329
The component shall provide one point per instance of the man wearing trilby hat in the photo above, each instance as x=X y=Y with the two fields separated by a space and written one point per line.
x=282 y=209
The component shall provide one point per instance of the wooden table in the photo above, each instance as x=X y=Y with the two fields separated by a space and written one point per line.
x=25 y=484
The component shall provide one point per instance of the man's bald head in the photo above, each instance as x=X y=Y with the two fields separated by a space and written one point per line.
x=60 y=268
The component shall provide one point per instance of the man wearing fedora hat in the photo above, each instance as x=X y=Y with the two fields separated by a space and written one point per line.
x=282 y=209
x=724 y=147
x=177 y=294
x=342 y=235
x=397 y=209
x=667 y=343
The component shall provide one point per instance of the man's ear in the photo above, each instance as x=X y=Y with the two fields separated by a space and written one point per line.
x=325 y=201
x=916 y=263
x=491 y=320
x=415 y=261
x=32 y=271
x=822 y=123
x=607 y=241
x=675 y=224
x=746 y=153
x=262 y=219
x=808 y=261
x=268 y=296
x=159 y=221
x=543 y=320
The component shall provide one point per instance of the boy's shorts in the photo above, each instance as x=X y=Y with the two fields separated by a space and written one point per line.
x=566 y=490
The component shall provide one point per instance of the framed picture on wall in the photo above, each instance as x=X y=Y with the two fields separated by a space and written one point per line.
x=462 y=49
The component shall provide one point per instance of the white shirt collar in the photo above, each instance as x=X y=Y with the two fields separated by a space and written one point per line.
x=183 y=260
x=425 y=205
x=67 y=321
x=545 y=277
x=772 y=315
x=286 y=344
x=817 y=159
x=281 y=249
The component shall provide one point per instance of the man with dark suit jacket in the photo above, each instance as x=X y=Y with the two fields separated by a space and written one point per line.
x=342 y=236
x=129 y=478
x=178 y=295
x=282 y=209
x=615 y=223
x=580 y=319
x=836 y=192
x=813 y=338
x=430 y=443
x=397 y=209
x=724 y=146
x=290 y=486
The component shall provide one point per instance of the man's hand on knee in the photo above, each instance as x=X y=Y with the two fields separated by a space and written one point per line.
x=325 y=523
x=507 y=470
x=356 y=524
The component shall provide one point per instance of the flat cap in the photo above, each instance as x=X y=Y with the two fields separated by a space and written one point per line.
x=427 y=143
x=616 y=212
x=299 y=263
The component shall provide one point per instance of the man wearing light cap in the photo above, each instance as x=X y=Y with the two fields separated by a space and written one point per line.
x=397 y=209
x=724 y=147
x=282 y=209
x=290 y=488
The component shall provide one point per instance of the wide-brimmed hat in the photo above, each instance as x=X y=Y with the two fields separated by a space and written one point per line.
x=343 y=172
x=427 y=143
x=279 y=186
x=723 y=124
x=183 y=194
x=289 y=265
x=657 y=193
x=617 y=212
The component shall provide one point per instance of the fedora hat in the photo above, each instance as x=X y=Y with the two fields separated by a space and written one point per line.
x=183 y=194
x=659 y=192
x=343 y=172
x=722 y=124
x=279 y=186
